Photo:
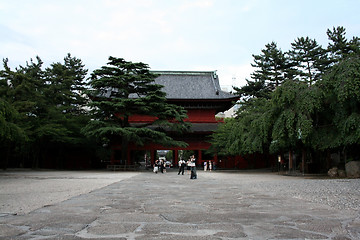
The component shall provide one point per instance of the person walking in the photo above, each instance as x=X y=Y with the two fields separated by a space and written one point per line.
x=164 y=166
x=210 y=166
x=161 y=166
x=188 y=163
x=181 y=167
x=205 y=166
x=156 y=167
x=193 y=167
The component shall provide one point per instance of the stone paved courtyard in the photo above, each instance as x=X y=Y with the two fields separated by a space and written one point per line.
x=144 y=205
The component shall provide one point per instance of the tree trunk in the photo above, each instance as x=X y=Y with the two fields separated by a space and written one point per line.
x=303 y=157
x=37 y=146
x=124 y=146
x=290 y=161
x=6 y=159
x=124 y=143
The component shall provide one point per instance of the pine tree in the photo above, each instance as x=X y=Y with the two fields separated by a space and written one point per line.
x=339 y=127
x=10 y=131
x=49 y=106
x=65 y=91
x=309 y=59
x=24 y=89
x=123 y=89
x=66 y=85
x=340 y=47
x=271 y=67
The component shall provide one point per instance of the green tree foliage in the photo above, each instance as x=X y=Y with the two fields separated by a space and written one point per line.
x=246 y=134
x=338 y=122
x=306 y=98
x=48 y=105
x=221 y=142
x=65 y=82
x=169 y=155
x=123 y=89
x=294 y=105
x=251 y=131
x=341 y=86
x=9 y=130
x=339 y=47
x=309 y=59
x=65 y=91
x=22 y=89
x=254 y=120
x=270 y=66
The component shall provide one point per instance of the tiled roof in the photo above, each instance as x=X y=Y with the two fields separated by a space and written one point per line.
x=191 y=85
x=204 y=127
x=188 y=85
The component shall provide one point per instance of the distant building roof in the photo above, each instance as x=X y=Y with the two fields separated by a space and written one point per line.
x=191 y=85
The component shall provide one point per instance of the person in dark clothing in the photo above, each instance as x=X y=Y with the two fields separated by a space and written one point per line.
x=161 y=166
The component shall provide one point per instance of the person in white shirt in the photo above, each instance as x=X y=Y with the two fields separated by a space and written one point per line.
x=181 y=166
x=193 y=167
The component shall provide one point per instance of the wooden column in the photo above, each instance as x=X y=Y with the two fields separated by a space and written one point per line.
x=215 y=160
x=152 y=156
x=176 y=158
x=290 y=160
x=200 y=157
x=303 y=158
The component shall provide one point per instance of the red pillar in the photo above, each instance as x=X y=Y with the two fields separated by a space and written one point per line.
x=176 y=158
x=200 y=157
x=215 y=159
x=290 y=160
x=152 y=156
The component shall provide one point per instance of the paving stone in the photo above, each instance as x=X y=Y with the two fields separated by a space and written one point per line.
x=214 y=206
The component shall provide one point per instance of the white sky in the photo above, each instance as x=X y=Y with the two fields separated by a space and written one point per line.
x=202 y=35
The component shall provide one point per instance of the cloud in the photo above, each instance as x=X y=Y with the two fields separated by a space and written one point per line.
x=235 y=75
x=247 y=6
x=166 y=34
x=196 y=4
x=229 y=74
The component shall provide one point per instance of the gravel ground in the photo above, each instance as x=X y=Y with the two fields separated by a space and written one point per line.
x=337 y=193
x=23 y=191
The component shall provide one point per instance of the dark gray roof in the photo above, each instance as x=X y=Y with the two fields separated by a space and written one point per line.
x=187 y=85
x=191 y=85
x=204 y=127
